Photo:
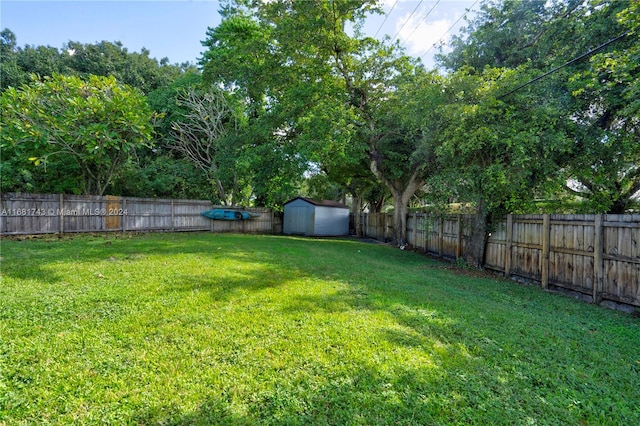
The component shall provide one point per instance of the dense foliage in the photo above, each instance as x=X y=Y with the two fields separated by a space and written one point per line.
x=558 y=120
x=142 y=171
x=89 y=129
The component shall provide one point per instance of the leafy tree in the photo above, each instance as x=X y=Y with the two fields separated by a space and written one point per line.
x=606 y=163
x=591 y=97
x=162 y=176
x=509 y=143
x=136 y=69
x=15 y=175
x=10 y=72
x=241 y=57
x=510 y=33
x=497 y=153
x=161 y=80
x=320 y=91
x=93 y=126
x=403 y=135
x=41 y=60
x=164 y=101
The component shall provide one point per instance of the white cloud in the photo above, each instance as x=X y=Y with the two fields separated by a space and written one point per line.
x=424 y=30
x=419 y=37
x=419 y=25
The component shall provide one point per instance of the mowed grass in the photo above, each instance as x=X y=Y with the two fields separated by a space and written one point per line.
x=182 y=329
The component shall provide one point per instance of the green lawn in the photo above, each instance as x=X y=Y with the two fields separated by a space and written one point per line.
x=185 y=329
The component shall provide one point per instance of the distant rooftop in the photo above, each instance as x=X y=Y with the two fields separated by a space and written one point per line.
x=324 y=203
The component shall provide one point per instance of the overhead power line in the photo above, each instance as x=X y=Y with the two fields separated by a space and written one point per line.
x=386 y=16
x=584 y=55
x=421 y=21
x=450 y=28
x=405 y=22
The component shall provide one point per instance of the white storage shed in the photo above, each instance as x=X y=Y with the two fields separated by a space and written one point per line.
x=304 y=216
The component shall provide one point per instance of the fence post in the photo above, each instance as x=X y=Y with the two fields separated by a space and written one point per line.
x=508 y=246
x=459 y=238
x=172 y=216
x=61 y=212
x=545 y=250
x=425 y=231
x=386 y=227
x=415 y=229
x=124 y=215
x=441 y=238
x=598 y=259
x=212 y=221
x=244 y=228
x=273 y=222
x=365 y=224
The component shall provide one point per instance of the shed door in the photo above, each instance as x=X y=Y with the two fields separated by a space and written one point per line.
x=299 y=220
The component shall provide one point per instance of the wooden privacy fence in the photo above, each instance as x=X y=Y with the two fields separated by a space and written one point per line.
x=26 y=214
x=595 y=255
x=444 y=236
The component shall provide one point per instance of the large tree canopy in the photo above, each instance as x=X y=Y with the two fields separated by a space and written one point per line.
x=94 y=124
x=606 y=162
x=136 y=69
x=591 y=95
x=499 y=154
x=331 y=95
x=147 y=172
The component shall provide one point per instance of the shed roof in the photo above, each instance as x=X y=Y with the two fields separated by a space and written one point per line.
x=323 y=203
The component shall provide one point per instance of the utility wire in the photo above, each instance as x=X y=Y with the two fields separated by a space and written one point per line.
x=386 y=16
x=420 y=22
x=405 y=22
x=450 y=28
x=584 y=55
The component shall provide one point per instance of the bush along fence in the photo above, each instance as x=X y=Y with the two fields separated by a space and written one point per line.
x=28 y=214
x=595 y=256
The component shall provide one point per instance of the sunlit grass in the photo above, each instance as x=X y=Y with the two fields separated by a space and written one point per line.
x=229 y=329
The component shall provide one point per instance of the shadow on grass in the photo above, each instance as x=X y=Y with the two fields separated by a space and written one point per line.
x=507 y=355
x=35 y=259
x=210 y=412
x=221 y=287
x=497 y=353
x=362 y=396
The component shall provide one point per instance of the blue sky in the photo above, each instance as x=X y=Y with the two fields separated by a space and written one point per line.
x=174 y=29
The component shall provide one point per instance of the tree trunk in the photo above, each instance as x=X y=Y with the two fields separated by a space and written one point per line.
x=474 y=251
x=620 y=205
x=400 y=211
x=401 y=191
x=375 y=206
x=357 y=214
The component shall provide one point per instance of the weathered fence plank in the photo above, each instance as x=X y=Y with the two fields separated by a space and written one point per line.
x=544 y=273
x=598 y=261
x=621 y=258
x=23 y=214
x=595 y=255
